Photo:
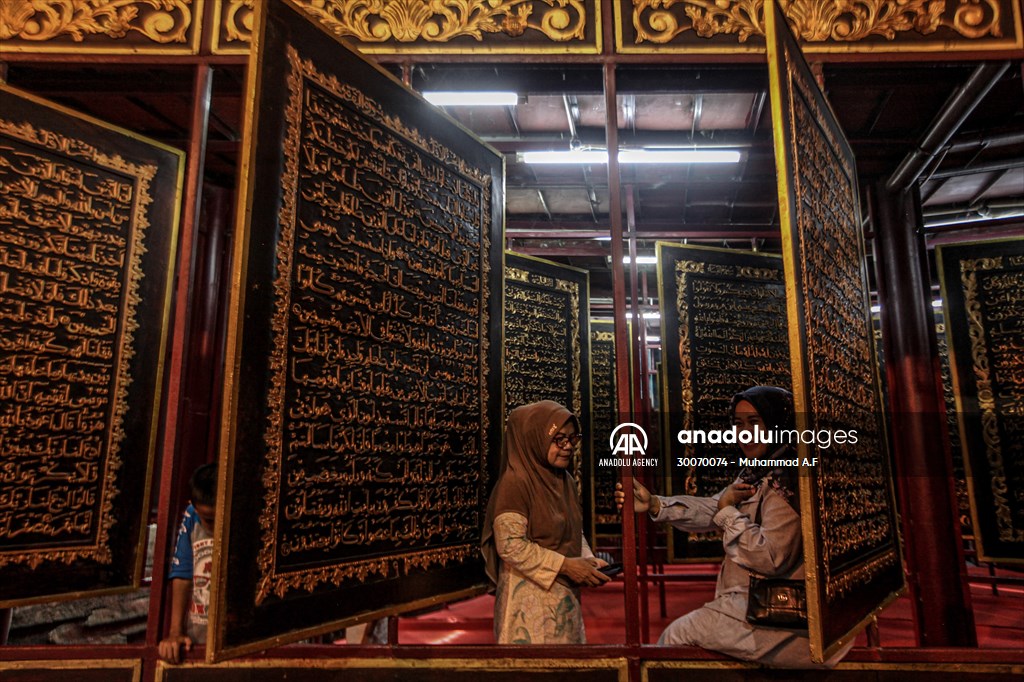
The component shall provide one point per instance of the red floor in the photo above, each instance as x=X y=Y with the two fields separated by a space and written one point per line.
x=999 y=619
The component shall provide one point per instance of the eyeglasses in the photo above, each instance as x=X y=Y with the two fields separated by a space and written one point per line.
x=563 y=441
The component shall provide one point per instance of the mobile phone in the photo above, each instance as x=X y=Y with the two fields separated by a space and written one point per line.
x=611 y=569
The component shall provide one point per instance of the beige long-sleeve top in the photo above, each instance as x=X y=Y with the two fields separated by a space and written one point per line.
x=531 y=606
x=773 y=547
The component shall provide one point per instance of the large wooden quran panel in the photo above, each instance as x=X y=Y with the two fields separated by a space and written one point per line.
x=361 y=406
x=88 y=218
x=851 y=538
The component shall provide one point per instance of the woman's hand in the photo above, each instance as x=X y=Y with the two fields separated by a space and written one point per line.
x=584 y=571
x=736 y=493
x=642 y=499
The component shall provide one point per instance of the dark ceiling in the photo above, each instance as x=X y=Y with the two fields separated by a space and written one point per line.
x=561 y=212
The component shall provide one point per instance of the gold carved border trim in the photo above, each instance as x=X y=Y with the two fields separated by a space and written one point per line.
x=433 y=26
x=142 y=174
x=82 y=27
x=132 y=664
x=525 y=665
x=967 y=669
x=821 y=26
x=271 y=581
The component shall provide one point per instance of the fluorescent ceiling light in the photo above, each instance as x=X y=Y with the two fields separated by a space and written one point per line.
x=679 y=156
x=466 y=99
x=635 y=156
x=573 y=156
x=641 y=260
x=653 y=339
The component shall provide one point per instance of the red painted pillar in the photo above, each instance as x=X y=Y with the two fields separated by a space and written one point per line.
x=937 y=574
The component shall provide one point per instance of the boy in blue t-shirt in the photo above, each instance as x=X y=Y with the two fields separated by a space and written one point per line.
x=191 y=567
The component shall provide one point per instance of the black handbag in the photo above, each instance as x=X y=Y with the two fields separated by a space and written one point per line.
x=776 y=602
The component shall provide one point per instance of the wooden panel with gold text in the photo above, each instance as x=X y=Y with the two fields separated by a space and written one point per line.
x=851 y=537
x=607 y=520
x=88 y=230
x=547 y=348
x=363 y=387
x=723 y=330
x=983 y=300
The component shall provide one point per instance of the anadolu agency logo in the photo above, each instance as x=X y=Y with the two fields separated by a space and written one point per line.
x=628 y=445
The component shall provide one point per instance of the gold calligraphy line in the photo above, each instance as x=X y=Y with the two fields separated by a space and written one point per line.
x=372 y=109
x=389 y=566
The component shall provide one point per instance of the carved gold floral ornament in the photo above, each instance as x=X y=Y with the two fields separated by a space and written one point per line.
x=814 y=20
x=160 y=21
x=435 y=21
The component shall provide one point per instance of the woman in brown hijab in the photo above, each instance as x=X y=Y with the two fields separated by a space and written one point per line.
x=533 y=532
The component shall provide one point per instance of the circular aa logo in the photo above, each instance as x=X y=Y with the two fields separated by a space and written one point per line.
x=628 y=439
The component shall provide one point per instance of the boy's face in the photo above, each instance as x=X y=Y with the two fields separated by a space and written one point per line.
x=207 y=515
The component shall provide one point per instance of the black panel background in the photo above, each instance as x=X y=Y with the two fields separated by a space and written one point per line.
x=586 y=452
x=56 y=578
x=1009 y=427
x=687 y=546
x=245 y=623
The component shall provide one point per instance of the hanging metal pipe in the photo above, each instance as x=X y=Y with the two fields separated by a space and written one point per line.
x=984 y=140
x=995 y=166
x=956 y=109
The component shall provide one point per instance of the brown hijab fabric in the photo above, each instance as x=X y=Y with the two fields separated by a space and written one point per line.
x=529 y=486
